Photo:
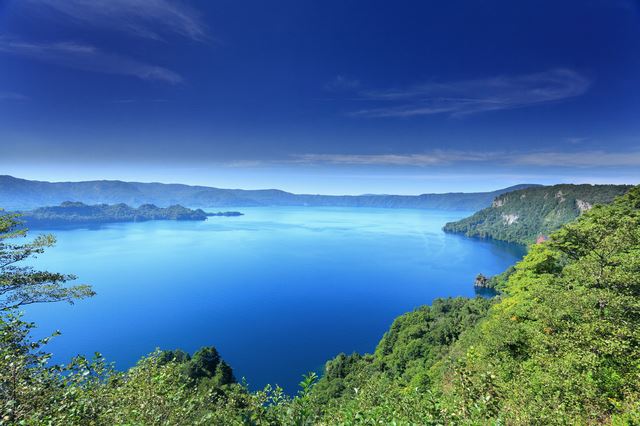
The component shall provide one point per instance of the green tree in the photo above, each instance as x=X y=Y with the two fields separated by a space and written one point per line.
x=175 y=355
x=23 y=285
x=563 y=344
x=19 y=358
x=203 y=363
x=224 y=375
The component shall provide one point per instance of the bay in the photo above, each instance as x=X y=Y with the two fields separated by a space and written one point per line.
x=278 y=291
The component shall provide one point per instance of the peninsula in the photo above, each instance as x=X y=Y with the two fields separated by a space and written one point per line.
x=74 y=213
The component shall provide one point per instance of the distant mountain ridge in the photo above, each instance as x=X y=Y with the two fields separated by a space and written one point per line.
x=522 y=216
x=18 y=193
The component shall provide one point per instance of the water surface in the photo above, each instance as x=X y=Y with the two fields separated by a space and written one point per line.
x=278 y=291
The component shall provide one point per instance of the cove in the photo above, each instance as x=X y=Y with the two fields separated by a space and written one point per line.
x=278 y=291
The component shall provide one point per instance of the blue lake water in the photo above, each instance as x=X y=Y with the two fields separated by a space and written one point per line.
x=278 y=291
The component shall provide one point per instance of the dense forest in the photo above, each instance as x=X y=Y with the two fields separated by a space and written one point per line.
x=69 y=213
x=22 y=194
x=524 y=215
x=560 y=345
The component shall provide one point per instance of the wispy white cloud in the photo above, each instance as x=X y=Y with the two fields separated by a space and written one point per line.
x=341 y=82
x=574 y=140
x=426 y=159
x=241 y=164
x=464 y=97
x=583 y=159
x=580 y=159
x=134 y=101
x=12 y=96
x=89 y=58
x=144 y=18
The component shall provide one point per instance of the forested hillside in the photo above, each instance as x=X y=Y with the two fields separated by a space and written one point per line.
x=560 y=346
x=524 y=215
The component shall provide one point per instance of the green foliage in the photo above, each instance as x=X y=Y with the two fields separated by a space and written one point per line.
x=18 y=390
x=524 y=215
x=497 y=282
x=564 y=346
x=175 y=355
x=561 y=346
x=406 y=352
x=90 y=392
x=204 y=363
x=207 y=364
x=23 y=285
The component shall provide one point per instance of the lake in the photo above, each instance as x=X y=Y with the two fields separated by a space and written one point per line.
x=278 y=291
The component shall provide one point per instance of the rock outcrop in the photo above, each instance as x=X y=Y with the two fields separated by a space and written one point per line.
x=510 y=219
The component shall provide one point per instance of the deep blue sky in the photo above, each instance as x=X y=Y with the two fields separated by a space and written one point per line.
x=322 y=96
